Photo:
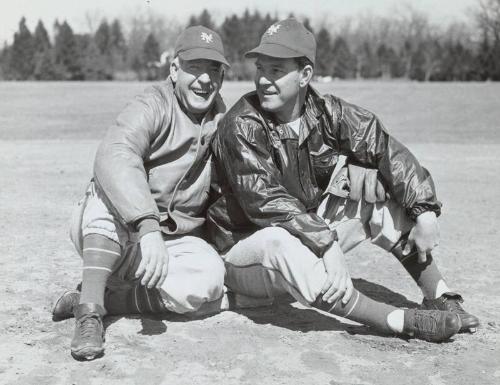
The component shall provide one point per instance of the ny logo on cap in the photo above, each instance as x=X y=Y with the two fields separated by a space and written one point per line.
x=207 y=37
x=273 y=29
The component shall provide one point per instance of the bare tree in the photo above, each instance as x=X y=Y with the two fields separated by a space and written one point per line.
x=488 y=18
x=414 y=28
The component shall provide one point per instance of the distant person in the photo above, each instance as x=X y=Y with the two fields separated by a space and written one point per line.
x=139 y=226
x=275 y=152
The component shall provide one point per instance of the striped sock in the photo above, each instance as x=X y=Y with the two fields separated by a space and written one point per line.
x=136 y=299
x=426 y=275
x=100 y=255
x=360 y=308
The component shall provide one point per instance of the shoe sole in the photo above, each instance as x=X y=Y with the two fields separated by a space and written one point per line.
x=87 y=353
x=471 y=327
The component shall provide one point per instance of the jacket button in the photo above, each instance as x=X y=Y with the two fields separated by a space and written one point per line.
x=202 y=141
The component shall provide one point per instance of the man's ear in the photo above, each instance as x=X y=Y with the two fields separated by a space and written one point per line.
x=306 y=75
x=174 y=69
x=223 y=72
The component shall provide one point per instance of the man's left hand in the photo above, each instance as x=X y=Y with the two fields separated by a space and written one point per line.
x=424 y=235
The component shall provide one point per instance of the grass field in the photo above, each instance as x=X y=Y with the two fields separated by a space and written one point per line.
x=48 y=136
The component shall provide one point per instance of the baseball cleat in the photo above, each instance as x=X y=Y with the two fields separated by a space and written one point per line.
x=65 y=305
x=431 y=325
x=88 y=339
x=452 y=302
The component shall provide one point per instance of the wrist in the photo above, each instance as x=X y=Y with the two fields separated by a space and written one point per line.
x=147 y=225
x=420 y=208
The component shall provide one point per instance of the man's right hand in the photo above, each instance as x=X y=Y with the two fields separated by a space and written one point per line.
x=154 y=263
x=364 y=184
x=338 y=283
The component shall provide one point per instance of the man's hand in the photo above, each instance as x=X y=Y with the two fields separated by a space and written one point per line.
x=154 y=263
x=364 y=184
x=338 y=283
x=424 y=235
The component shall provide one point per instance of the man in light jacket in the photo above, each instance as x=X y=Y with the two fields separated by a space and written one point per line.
x=139 y=227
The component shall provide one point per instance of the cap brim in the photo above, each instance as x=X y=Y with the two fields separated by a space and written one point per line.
x=203 y=53
x=273 y=50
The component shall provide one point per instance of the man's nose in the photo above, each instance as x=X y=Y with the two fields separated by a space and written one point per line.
x=263 y=81
x=204 y=78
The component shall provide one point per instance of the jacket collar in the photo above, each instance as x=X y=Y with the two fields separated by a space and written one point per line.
x=312 y=112
x=313 y=109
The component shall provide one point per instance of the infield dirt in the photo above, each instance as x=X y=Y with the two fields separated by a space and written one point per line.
x=49 y=133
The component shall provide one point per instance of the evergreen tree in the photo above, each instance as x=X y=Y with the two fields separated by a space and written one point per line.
x=4 y=62
x=193 y=20
x=22 y=55
x=388 y=62
x=45 y=67
x=343 y=62
x=151 y=57
x=44 y=55
x=117 y=41
x=151 y=49
x=205 y=19
x=94 y=65
x=307 y=24
x=365 y=61
x=324 y=54
x=41 y=38
x=230 y=35
x=66 y=53
x=102 y=38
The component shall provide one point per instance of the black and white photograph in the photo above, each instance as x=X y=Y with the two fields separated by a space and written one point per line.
x=259 y=192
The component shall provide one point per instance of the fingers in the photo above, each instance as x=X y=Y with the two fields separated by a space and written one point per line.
x=381 y=194
x=163 y=276
x=142 y=267
x=371 y=186
x=156 y=275
x=340 y=286
x=422 y=256
x=349 y=290
x=326 y=285
x=339 y=290
x=150 y=270
x=357 y=179
x=409 y=246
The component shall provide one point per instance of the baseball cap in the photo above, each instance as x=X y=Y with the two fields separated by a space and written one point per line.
x=199 y=42
x=286 y=39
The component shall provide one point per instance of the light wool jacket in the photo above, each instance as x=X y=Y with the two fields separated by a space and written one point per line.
x=153 y=165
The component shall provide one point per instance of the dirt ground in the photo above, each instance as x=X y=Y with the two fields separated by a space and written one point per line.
x=48 y=137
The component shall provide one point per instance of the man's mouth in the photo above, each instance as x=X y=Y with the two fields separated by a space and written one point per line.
x=202 y=93
x=268 y=92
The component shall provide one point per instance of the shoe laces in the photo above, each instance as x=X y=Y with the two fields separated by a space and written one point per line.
x=89 y=324
x=453 y=303
x=425 y=322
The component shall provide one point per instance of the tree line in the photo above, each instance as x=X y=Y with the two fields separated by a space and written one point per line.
x=405 y=45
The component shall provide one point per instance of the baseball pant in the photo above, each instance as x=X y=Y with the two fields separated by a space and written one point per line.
x=272 y=262
x=195 y=271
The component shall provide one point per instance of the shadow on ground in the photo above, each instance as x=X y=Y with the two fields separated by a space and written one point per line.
x=283 y=314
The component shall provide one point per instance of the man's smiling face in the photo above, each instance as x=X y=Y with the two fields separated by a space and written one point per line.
x=197 y=83
x=277 y=82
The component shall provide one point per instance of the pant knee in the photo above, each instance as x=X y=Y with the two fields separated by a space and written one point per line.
x=201 y=284
x=275 y=241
